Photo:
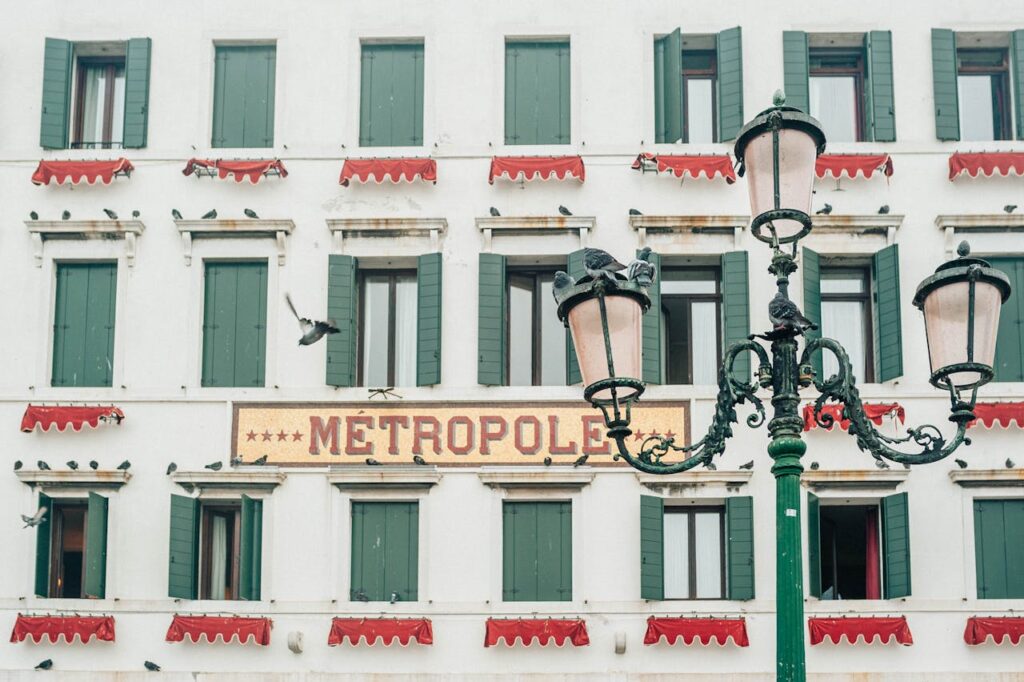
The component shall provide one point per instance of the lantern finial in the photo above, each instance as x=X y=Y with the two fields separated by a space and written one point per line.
x=964 y=249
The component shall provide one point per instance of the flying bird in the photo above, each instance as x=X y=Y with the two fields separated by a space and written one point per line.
x=785 y=314
x=495 y=212
x=124 y=466
x=214 y=466
x=884 y=209
x=824 y=211
x=110 y=214
x=370 y=461
x=72 y=464
x=960 y=463
x=581 y=460
x=171 y=468
x=880 y=464
x=748 y=465
x=547 y=461
x=45 y=665
x=419 y=460
x=633 y=211
x=564 y=211
x=151 y=666
x=260 y=461
x=176 y=214
x=249 y=213
x=35 y=520
x=312 y=330
x=815 y=466
x=1009 y=463
x=641 y=270
x=1010 y=208
x=42 y=466
x=33 y=215
x=94 y=465
x=135 y=213
x=66 y=215
x=210 y=215
x=17 y=465
x=600 y=263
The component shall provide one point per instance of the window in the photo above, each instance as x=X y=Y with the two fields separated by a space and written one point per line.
x=99 y=102
x=1009 y=360
x=845 y=317
x=83 y=324
x=71 y=548
x=537 y=561
x=690 y=305
x=699 y=76
x=998 y=551
x=837 y=92
x=391 y=99
x=694 y=553
x=219 y=552
x=387 y=328
x=983 y=90
x=235 y=324
x=537 y=104
x=385 y=551
x=243 y=96
x=536 y=349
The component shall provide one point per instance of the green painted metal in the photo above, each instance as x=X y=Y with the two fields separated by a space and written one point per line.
x=796 y=70
x=56 y=106
x=730 y=82
x=652 y=547
x=83 y=324
x=651 y=353
x=43 y=533
x=813 y=545
x=896 y=545
x=250 y=560
x=786 y=449
x=492 y=321
x=944 y=94
x=1017 y=62
x=391 y=95
x=428 y=319
x=739 y=528
x=1009 y=360
x=537 y=551
x=136 y=93
x=576 y=270
x=998 y=550
x=95 y=580
x=736 y=307
x=235 y=324
x=885 y=286
x=243 y=96
x=385 y=551
x=882 y=104
x=812 y=299
x=668 y=87
x=537 y=87
x=183 y=553
x=342 y=296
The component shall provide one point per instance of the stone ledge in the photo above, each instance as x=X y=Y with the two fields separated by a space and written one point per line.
x=988 y=478
x=566 y=478
x=694 y=479
x=242 y=227
x=863 y=479
x=88 y=479
x=42 y=230
x=384 y=477
x=229 y=481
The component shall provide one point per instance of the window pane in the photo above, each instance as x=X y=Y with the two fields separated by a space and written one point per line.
x=708 y=546
x=688 y=282
x=677 y=557
x=842 y=283
x=117 y=111
x=375 y=331
x=844 y=322
x=93 y=101
x=705 y=342
x=405 y=330
x=520 y=332
x=552 y=337
x=976 y=120
x=699 y=121
x=834 y=103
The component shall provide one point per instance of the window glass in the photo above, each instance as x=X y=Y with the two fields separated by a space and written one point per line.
x=690 y=326
x=976 y=113
x=69 y=545
x=536 y=338
x=689 y=282
x=677 y=556
x=218 y=551
x=375 y=309
x=552 y=336
x=850 y=552
x=842 y=283
x=694 y=553
x=707 y=545
x=844 y=322
x=833 y=101
x=520 y=331
x=704 y=315
x=100 y=103
x=405 y=330
x=219 y=576
x=700 y=124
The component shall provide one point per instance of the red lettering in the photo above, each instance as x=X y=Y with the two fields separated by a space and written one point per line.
x=470 y=435
x=389 y=422
x=355 y=437
x=321 y=433
x=521 y=446
x=593 y=442
x=553 y=447
x=420 y=432
x=487 y=435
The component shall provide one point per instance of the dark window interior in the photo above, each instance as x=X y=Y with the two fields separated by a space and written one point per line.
x=844 y=550
x=67 y=557
x=691 y=315
x=219 y=550
x=984 y=77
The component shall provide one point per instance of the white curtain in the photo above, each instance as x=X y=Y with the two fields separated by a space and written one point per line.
x=375 y=332
x=405 y=331
x=700 y=126
x=552 y=338
x=833 y=103
x=92 y=104
x=677 y=557
x=844 y=322
x=708 y=547
x=705 y=342
x=520 y=335
x=218 y=556
x=975 y=95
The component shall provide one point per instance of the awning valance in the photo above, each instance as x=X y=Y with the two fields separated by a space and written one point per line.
x=537 y=167
x=852 y=165
x=986 y=163
x=227 y=628
x=874 y=412
x=999 y=628
x=703 y=629
x=853 y=628
x=710 y=166
x=385 y=629
x=75 y=416
x=393 y=170
x=77 y=171
x=238 y=169
x=68 y=627
x=544 y=630
x=1003 y=414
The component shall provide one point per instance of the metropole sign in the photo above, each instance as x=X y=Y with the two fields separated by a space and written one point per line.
x=448 y=434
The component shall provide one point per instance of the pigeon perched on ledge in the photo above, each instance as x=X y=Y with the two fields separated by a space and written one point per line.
x=784 y=314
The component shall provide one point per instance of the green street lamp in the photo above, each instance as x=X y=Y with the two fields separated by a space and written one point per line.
x=960 y=303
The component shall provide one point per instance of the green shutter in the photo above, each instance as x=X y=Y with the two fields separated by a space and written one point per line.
x=896 y=540
x=1017 y=60
x=998 y=550
x=730 y=83
x=183 y=554
x=668 y=87
x=574 y=266
x=946 y=98
x=250 y=560
x=235 y=324
x=812 y=301
x=882 y=109
x=1009 y=360
x=736 y=307
x=83 y=324
x=796 y=70
x=739 y=521
x=813 y=546
x=537 y=87
x=537 y=551
x=96 y=547
x=56 y=106
x=243 y=99
x=391 y=96
x=136 y=93
x=341 y=307
x=492 y=321
x=385 y=550
x=652 y=328
x=885 y=284
x=652 y=547
x=43 y=548
x=428 y=320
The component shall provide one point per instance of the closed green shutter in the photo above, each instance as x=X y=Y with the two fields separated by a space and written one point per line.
x=812 y=301
x=243 y=96
x=576 y=270
x=796 y=70
x=42 y=587
x=652 y=547
x=882 y=109
x=492 y=321
x=96 y=548
x=537 y=551
x=896 y=540
x=730 y=83
x=391 y=96
x=56 y=107
x=1009 y=360
x=83 y=324
x=183 y=555
x=341 y=307
x=250 y=560
x=385 y=551
x=668 y=88
x=652 y=328
x=537 y=86
x=944 y=91
x=1017 y=60
x=885 y=285
x=813 y=546
x=998 y=550
x=428 y=320
x=136 y=93
x=235 y=324
x=739 y=522
x=736 y=307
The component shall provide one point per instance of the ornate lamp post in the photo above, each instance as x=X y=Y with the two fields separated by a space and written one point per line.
x=960 y=302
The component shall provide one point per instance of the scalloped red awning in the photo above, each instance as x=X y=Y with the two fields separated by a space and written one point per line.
x=690 y=629
x=986 y=163
x=386 y=629
x=75 y=416
x=874 y=412
x=711 y=166
x=228 y=628
x=68 y=627
x=852 y=165
x=543 y=629
x=76 y=171
x=854 y=628
x=393 y=170
x=999 y=628
x=537 y=167
x=240 y=170
x=1003 y=414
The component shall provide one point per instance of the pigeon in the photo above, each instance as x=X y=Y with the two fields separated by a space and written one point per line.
x=136 y=214
x=151 y=666
x=564 y=211
x=45 y=665
x=360 y=595
x=236 y=461
x=640 y=270
x=33 y=521
x=110 y=214
x=42 y=466
x=1009 y=463
x=419 y=460
x=214 y=466
x=94 y=465
x=814 y=466
x=495 y=212
x=880 y=464
x=824 y=211
x=260 y=461
x=312 y=330
x=66 y=215
x=33 y=215
x=370 y=461
x=17 y=465
x=249 y=213
x=210 y=215
x=710 y=466
x=72 y=464
x=562 y=282
x=580 y=461
x=785 y=314
x=883 y=210
x=600 y=263
x=171 y=468
x=124 y=466
x=394 y=597
x=1010 y=208
x=633 y=211
x=748 y=465
x=960 y=463
x=176 y=214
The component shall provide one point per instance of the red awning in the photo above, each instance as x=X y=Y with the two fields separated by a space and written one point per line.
x=710 y=166
x=68 y=627
x=227 y=628
x=1004 y=414
x=76 y=171
x=386 y=629
x=854 y=628
x=75 y=416
x=874 y=412
x=986 y=163
x=852 y=165
x=690 y=629
x=393 y=170
x=238 y=169
x=544 y=629
x=534 y=167
x=999 y=628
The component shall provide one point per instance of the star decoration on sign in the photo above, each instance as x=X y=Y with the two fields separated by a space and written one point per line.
x=251 y=435
x=296 y=436
x=669 y=434
x=281 y=435
x=639 y=435
x=266 y=435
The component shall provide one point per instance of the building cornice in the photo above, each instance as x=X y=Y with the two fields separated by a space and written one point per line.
x=387 y=227
x=582 y=225
x=75 y=479
x=42 y=230
x=533 y=477
x=244 y=227
x=988 y=478
x=353 y=478
x=846 y=479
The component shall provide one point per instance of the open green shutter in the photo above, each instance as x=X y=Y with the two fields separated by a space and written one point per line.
x=492 y=321
x=1017 y=61
x=341 y=307
x=182 y=579
x=796 y=70
x=56 y=107
x=882 y=109
x=428 y=319
x=896 y=540
x=739 y=521
x=885 y=276
x=652 y=547
x=736 y=307
x=250 y=560
x=136 y=92
x=651 y=354
x=813 y=546
x=944 y=91
x=96 y=548
x=1009 y=360
x=42 y=587
x=668 y=87
x=730 y=83
x=811 y=263
x=576 y=270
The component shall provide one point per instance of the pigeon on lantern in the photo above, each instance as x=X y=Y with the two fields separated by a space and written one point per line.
x=784 y=314
x=641 y=270
x=600 y=263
